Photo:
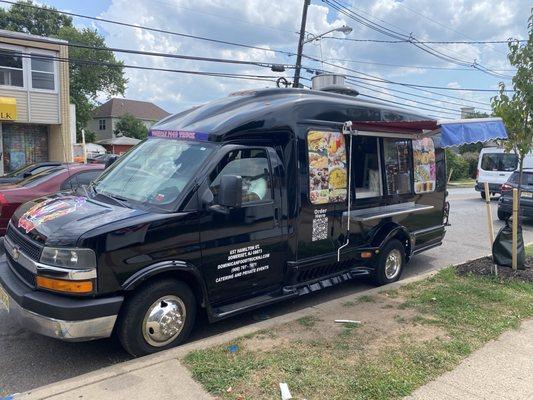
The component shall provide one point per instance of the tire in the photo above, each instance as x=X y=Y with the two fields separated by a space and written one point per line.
x=382 y=274
x=168 y=299
x=483 y=195
x=502 y=215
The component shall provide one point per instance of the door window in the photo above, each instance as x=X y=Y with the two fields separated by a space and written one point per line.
x=253 y=166
x=397 y=159
x=80 y=179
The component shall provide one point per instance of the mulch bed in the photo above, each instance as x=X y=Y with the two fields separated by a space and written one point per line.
x=485 y=267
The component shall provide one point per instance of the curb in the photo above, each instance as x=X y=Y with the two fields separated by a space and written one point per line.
x=90 y=378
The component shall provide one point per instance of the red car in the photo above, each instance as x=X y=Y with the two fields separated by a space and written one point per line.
x=63 y=177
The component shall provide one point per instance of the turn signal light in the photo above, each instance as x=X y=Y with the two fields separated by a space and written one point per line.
x=366 y=254
x=60 y=285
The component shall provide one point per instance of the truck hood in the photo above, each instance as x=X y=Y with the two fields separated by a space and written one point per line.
x=60 y=219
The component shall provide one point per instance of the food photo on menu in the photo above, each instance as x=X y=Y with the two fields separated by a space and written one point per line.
x=327 y=167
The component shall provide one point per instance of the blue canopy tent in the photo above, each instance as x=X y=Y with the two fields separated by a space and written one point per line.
x=453 y=132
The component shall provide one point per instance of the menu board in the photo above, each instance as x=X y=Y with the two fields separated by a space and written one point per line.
x=424 y=162
x=327 y=167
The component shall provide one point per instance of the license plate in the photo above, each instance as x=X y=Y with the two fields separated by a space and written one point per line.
x=527 y=195
x=4 y=299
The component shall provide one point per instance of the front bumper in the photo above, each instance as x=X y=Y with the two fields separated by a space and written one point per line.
x=493 y=187
x=57 y=316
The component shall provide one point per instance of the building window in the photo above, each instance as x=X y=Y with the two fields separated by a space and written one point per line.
x=101 y=124
x=42 y=72
x=11 y=72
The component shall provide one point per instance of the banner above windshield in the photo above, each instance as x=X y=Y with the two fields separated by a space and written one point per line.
x=184 y=135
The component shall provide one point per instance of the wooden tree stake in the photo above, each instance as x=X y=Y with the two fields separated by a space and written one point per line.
x=515 y=227
x=489 y=214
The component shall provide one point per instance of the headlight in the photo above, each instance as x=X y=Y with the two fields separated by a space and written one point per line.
x=69 y=258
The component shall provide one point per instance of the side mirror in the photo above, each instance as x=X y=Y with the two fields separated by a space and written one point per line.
x=110 y=161
x=230 y=191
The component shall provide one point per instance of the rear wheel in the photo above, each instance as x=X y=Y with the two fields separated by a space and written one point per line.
x=483 y=195
x=159 y=316
x=390 y=264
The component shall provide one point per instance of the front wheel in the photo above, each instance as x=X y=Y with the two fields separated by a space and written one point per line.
x=159 y=316
x=483 y=195
x=390 y=264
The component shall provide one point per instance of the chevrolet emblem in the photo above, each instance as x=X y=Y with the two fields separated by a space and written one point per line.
x=15 y=253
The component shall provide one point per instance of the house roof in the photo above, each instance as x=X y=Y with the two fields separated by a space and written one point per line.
x=29 y=36
x=119 y=141
x=140 y=109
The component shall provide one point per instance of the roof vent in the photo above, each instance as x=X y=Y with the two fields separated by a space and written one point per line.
x=332 y=83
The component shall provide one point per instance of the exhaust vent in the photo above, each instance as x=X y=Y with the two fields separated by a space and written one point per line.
x=332 y=83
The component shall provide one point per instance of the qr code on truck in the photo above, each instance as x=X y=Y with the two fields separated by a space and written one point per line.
x=320 y=227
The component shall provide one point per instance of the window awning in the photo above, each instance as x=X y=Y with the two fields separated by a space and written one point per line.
x=453 y=132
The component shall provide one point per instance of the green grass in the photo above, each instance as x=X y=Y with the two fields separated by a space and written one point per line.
x=529 y=250
x=462 y=183
x=366 y=299
x=463 y=312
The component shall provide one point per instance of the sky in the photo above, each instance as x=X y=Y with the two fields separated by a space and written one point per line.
x=273 y=24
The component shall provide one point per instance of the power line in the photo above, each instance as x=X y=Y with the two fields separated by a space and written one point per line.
x=411 y=39
x=225 y=42
x=148 y=28
x=412 y=66
x=170 y=55
x=378 y=79
x=358 y=81
x=426 y=41
x=366 y=86
x=269 y=78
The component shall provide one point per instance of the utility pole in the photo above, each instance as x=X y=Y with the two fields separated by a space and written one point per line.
x=296 y=82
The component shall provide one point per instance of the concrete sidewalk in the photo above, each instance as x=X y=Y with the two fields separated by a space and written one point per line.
x=502 y=369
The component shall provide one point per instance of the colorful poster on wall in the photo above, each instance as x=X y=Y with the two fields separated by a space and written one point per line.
x=327 y=167
x=424 y=163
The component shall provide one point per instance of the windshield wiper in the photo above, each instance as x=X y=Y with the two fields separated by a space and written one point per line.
x=119 y=200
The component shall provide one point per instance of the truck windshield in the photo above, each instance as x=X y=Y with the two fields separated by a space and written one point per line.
x=154 y=172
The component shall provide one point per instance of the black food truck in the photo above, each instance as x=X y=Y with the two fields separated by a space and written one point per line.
x=258 y=197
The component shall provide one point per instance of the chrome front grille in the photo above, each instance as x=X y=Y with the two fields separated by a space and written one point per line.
x=24 y=243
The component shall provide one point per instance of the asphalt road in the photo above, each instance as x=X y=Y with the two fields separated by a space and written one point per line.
x=28 y=361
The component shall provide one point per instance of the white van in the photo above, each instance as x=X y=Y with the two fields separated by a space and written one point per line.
x=495 y=166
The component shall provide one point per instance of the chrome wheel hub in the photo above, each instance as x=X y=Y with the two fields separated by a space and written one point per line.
x=393 y=264
x=164 y=321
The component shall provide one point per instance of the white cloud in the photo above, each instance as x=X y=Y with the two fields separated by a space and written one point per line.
x=272 y=24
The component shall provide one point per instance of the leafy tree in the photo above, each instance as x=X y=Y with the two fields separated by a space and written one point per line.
x=22 y=18
x=90 y=137
x=130 y=126
x=516 y=109
x=88 y=76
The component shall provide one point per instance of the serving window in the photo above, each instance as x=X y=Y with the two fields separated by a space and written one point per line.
x=366 y=167
x=327 y=167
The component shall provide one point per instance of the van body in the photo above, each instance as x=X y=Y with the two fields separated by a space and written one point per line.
x=226 y=207
x=495 y=166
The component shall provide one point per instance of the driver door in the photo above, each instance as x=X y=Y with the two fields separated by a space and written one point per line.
x=244 y=251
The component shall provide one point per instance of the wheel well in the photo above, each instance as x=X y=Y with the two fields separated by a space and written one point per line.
x=385 y=235
x=184 y=276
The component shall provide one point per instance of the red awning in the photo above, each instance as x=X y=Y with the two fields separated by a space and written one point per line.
x=413 y=127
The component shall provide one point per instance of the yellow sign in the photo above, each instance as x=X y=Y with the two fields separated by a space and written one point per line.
x=8 y=109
